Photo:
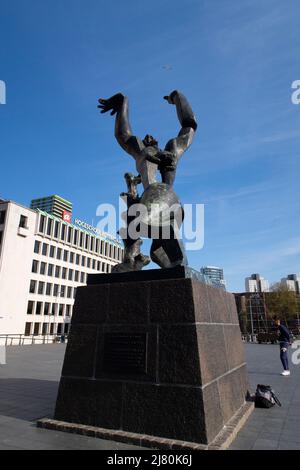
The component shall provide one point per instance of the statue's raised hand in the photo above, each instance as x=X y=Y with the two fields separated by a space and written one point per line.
x=113 y=103
x=170 y=98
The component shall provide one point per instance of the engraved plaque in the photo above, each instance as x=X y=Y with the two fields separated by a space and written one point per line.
x=125 y=353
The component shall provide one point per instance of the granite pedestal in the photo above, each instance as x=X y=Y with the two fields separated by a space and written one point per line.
x=153 y=357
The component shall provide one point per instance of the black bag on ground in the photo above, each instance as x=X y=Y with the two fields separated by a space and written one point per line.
x=265 y=397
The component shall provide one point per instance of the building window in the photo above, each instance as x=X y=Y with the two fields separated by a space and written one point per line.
x=83 y=261
x=64 y=273
x=78 y=259
x=74 y=293
x=38 y=310
x=76 y=276
x=36 y=330
x=88 y=262
x=59 y=329
x=62 y=291
x=81 y=240
x=58 y=253
x=52 y=251
x=55 y=290
x=63 y=232
x=61 y=310
x=98 y=265
x=44 y=249
x=48 y=288
x=41 y=288
x=68 y=310
x=32 y=287
x=30 y=306
x=56 y=229
x=43 y=268
x=69 y=294
x=49 y=227
x=66 y=253
x=27 y=329
x=47 y=308
x=50 y=269
x=97 y=245
x=87 y=242
x=70 y=276
x=2 y=217
x=37 y=246
x=75 y=239
x=69 y=235
x=23 y=221
x=53 y=310
x=92 y=243
x=82 y=277
x=94 y=264
x=57 y=271
x=71 y=257
x=35 y=265
x=45 y=329
x=42 y=224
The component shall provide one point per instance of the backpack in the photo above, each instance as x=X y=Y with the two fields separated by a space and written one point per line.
x=265 y=397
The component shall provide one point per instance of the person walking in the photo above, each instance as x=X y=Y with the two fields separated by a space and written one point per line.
x=284 y=338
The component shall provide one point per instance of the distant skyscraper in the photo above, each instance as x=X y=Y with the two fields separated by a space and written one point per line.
x=256 y=283
x=215 y=275
x=54 y=205
x=292 y=281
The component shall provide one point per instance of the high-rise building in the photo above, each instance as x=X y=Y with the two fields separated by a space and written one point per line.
x=214 y=275
x=43 y=259
x=292 y=282
x=54 y=205
x=256 y=283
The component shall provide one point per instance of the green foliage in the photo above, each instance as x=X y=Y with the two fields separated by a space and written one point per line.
x=282 y=302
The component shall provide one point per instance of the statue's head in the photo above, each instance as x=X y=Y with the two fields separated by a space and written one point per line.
x=149 y=141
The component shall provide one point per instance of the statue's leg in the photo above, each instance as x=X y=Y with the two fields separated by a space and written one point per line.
x=134 y=260
x=168 y=253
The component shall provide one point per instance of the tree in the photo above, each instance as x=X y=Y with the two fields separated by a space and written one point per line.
x=282 y=302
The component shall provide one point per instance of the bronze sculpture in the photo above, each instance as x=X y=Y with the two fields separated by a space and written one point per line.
x=165 y=251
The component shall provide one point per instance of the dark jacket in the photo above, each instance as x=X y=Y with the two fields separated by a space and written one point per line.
x=284 y=334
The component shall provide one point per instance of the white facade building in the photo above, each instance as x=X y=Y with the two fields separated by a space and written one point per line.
x=256 y=283
x=292 y=282
x=42 y=261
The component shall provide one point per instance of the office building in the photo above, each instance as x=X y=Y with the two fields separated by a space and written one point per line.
x=214 y=276
x=54 y=205
x=292 y=282
x=43 y=259
x=256 y=283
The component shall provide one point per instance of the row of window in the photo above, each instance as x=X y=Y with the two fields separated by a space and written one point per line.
x=37 y=329
x=55 y=290
x=48 y=308
x=48 y=269
x=67 y=256
x=68 y=234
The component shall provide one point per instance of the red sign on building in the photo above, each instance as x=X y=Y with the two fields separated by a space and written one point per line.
x=66 y=216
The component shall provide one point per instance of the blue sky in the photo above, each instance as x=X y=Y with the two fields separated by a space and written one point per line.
x=235 y=61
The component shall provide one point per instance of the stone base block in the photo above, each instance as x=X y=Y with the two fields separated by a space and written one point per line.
x=161 y=358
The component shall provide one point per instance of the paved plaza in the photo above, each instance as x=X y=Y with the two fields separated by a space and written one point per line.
x=29 y=382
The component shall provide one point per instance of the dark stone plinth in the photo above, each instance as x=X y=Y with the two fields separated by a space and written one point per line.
x=179 y=272
x=161 y=358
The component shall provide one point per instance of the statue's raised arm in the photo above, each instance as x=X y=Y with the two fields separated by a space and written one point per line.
x=118 y=104
x=178 y=145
